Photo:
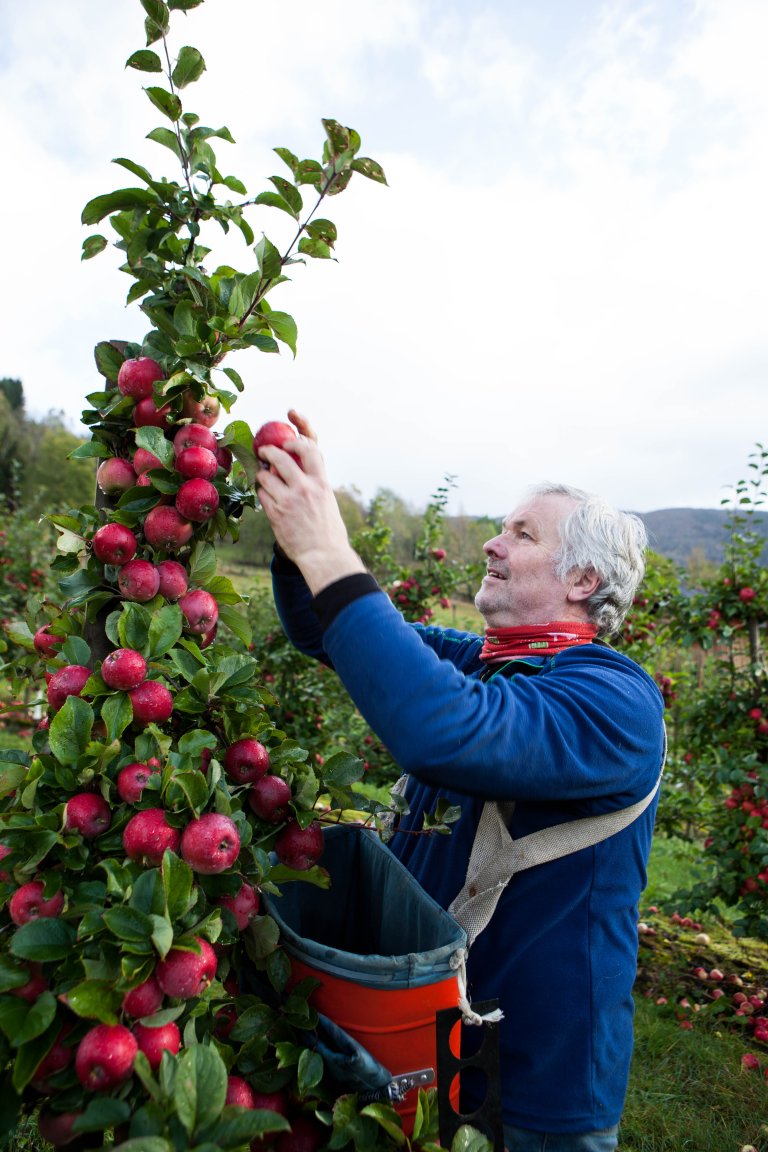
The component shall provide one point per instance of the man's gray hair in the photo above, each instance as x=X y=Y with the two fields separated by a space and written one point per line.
x=597 y=536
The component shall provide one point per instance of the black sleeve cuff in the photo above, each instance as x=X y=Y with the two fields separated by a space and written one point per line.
x=281 y=565
x=330 y=601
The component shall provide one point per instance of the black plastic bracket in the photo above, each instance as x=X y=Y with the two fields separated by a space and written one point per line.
x=487 y=1118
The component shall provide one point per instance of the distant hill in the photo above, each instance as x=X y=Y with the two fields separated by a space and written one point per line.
x=679 y=532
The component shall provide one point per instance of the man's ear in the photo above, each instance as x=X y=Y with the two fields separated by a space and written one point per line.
x=582 y=585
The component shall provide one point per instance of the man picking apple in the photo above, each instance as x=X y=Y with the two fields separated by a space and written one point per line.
x=539 y=714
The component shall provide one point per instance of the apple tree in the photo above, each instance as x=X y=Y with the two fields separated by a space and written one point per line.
x=160 y=798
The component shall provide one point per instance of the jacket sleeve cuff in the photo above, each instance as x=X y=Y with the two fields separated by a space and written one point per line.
x=281 y=565
x=332 y=599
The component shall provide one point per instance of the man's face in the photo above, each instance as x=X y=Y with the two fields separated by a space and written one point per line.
x=520 y=586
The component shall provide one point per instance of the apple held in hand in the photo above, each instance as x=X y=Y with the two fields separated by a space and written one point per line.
x=210 y=844
x=273 y=433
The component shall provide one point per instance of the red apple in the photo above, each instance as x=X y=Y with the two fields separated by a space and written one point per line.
x=273 y=433
x=87 y=813
x=184 y=974
x=132 y=780
x=35 y=985
x=205 y=411
x=138 y=580
x=239 y=1092
x=305 y=1135
x=299 y=848
x=136 y=377
x=115 y=476
x=165 y=528
x=197 y=462
x=56 y=1127
x=211 y=843
x=46 y=642
x=224 y=459
x=68 y=681
x=208 y=637
x=29 y=903
x=57 y=1059
x=244 y=905
x=173 y=579
x=246 y=760
x=152 y=703
x=200 y=611
x=114 y=544
x=105 y=1057
x=147 y=835
x=143 y=1000
x=197 y=499
x=154 y=1041
x=124 y=668
x=271 y=1102
x=194 y=436
x=746 y=594
x=146 y=414
x=144 y=460
x=270 y=799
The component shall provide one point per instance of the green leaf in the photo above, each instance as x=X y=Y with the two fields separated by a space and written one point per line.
x=202 y=563
x=154 y=441
x=317 y=249
x=108 y=359
x=117 y=714
x=237 y=623
x=388 y=1119
x=70 y=730
x=178 y=882
x=145 y=61
x=147 y=1143
x=90 y=450
x=235 y=377
x=47 y=938
x=284 y=327
x=162 y=935
x=310 y=1071
x=322 y=230
x=200 y=1088
x=101 y=206
x=102 y=1113
x=92 y=245
x=244 y=293
x=367 y=167
x=76 y=650
x=338 y=136
x=128 y=923
x=342 y=769
x=272 y=200
x=167 y=102
x=28 y=1058
x=184 y=5
x=95 y=1000
x=289 y=158
x=11 y=775
x=22 y=1022
x=268 y=259
x=233 y=184
x=134 y=627
x=164 y=630
x=289 y=192
x=309 y=172
x=263 y=937
x=189 y=67
x=167 y=138
x=468 y=1139
x=157 y=12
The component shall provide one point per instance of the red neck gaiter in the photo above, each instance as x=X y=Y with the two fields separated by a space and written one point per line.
x=534 y=640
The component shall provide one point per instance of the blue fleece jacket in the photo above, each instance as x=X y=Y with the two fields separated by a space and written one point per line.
x=568 y=736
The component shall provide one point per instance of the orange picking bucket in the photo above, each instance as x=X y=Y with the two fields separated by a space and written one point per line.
x=381 y=949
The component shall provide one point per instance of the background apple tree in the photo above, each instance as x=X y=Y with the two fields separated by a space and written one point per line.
x=136 y=835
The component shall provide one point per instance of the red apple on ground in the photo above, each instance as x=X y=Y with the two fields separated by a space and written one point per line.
x=273 y=433
x=68 y=681
x=152 y=703
x=154 y=1041
x=132 y=780
x=244 y=905
x=184 y=974
x=299 y=848
x=123 y=669
x=197 y=500
x=246 y=760
x=115 y=476
x=147 y=835
x=144 y=460
x=143 y=1000
x=28 y=903
x=211 y=843
x=105 y=1057
x=138 y=580
x=200 y=611
x=35 y=985
x=46 y=642
x=194 y=436
x=239 y=1093
x=205 y=411
x=137 y=376
x=166 y=528
x=270 y=799
x=114 y=544
x=173 y=579
x=87 y=813
x=146 y=414
x=197 y=462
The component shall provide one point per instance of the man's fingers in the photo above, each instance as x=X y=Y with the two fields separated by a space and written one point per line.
x=303 y=425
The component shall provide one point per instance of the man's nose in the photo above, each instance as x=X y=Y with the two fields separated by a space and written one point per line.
x=494 y=546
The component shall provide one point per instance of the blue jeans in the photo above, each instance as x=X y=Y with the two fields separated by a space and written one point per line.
x=521 y=1140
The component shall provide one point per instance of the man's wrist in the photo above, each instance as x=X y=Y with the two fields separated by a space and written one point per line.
x=320 y=569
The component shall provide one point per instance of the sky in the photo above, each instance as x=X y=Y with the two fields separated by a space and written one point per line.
x=565 y=278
